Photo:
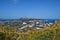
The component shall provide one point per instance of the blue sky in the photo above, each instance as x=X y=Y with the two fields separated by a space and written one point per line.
x=46 y=9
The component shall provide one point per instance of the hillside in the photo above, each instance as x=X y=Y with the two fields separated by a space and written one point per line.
x=51 y=33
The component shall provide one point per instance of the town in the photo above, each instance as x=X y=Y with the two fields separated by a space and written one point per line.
x=23 y=24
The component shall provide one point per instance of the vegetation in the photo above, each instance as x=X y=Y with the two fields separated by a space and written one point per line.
x=51 y=33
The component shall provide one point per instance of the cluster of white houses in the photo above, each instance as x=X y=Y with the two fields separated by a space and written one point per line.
x=37 y=24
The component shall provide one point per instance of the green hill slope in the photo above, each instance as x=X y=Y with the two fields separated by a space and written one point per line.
x=52 y=33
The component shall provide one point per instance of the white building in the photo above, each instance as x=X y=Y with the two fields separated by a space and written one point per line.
x=24 y=23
